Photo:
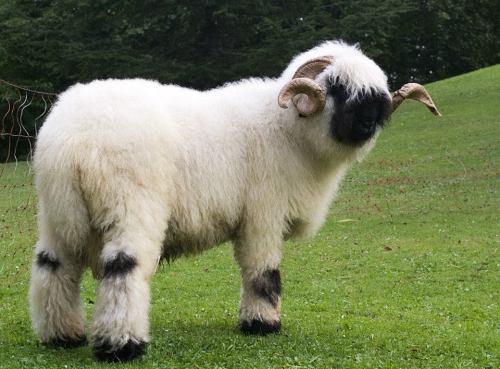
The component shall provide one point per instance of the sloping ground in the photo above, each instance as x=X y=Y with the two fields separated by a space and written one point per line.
x=404 y=274
x=435 y=169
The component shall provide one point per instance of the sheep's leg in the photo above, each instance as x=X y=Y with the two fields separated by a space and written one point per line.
x=260 y=303
x=56 y=309
x=120 y=329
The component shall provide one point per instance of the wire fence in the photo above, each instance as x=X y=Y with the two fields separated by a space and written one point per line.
x=23 y=111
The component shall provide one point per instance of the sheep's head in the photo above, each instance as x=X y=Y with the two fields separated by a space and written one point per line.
x=352 y=90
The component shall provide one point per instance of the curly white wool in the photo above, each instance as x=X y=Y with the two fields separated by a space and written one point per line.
x=141 y=168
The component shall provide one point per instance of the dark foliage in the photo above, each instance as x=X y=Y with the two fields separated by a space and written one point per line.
x=51 y=44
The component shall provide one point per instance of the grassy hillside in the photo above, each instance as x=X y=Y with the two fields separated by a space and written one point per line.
x=404 y=274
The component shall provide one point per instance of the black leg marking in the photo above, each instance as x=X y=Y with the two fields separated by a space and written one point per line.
x=104 y=351
x=67 y=342
x=268 y=286
x=257 y=327
x=44 y=260
x=120 y=265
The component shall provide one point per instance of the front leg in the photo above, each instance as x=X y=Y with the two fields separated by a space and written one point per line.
x=260 y=304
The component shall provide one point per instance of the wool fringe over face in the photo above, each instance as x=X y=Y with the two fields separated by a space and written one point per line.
x=130 y=171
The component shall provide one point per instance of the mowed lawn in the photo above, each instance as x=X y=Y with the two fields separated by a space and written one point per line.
x=404 y=274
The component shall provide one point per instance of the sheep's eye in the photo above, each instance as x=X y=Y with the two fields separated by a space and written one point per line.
x=349 y=110
x=338 y=91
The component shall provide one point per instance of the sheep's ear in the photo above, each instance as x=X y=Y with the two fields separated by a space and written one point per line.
x=417 y=92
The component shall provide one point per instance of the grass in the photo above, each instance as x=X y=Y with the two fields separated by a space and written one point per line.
x=404 y=274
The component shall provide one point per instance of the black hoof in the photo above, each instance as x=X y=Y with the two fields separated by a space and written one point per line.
x=260 y=328
x=67 y=342
x=104 y=351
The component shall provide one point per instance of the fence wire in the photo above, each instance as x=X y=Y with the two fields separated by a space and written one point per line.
x=22 y=112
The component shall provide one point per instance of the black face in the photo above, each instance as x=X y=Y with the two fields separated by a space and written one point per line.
x=357 y=120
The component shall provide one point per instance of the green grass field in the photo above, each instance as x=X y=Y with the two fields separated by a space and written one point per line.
x=404 y=274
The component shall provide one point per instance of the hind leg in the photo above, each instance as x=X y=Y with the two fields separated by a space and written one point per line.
x=56 y=309
x=120 y=329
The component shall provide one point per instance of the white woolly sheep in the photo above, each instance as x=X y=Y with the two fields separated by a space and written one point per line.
x=128 y=171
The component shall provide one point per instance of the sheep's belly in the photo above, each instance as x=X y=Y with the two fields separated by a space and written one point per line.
x=180 y=242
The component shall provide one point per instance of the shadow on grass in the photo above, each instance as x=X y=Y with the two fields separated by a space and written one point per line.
x=323 y=341
x=184 y=344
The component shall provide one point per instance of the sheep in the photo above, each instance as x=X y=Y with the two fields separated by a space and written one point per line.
x=132 y=171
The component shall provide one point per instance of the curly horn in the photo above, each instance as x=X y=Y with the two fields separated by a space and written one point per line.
x=307 y=95
x=417 y=92
x=313 y=67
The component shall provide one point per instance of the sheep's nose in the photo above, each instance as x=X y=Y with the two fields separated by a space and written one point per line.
x=368 y=124
x=367 y=127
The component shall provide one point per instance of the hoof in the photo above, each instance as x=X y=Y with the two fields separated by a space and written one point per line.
x=67 y=342
x=257 y=327
x=104 y=351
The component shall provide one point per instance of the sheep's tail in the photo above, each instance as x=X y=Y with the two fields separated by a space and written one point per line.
x=62 y=212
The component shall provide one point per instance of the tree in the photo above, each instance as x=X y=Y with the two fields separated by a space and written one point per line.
x=51 y=44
